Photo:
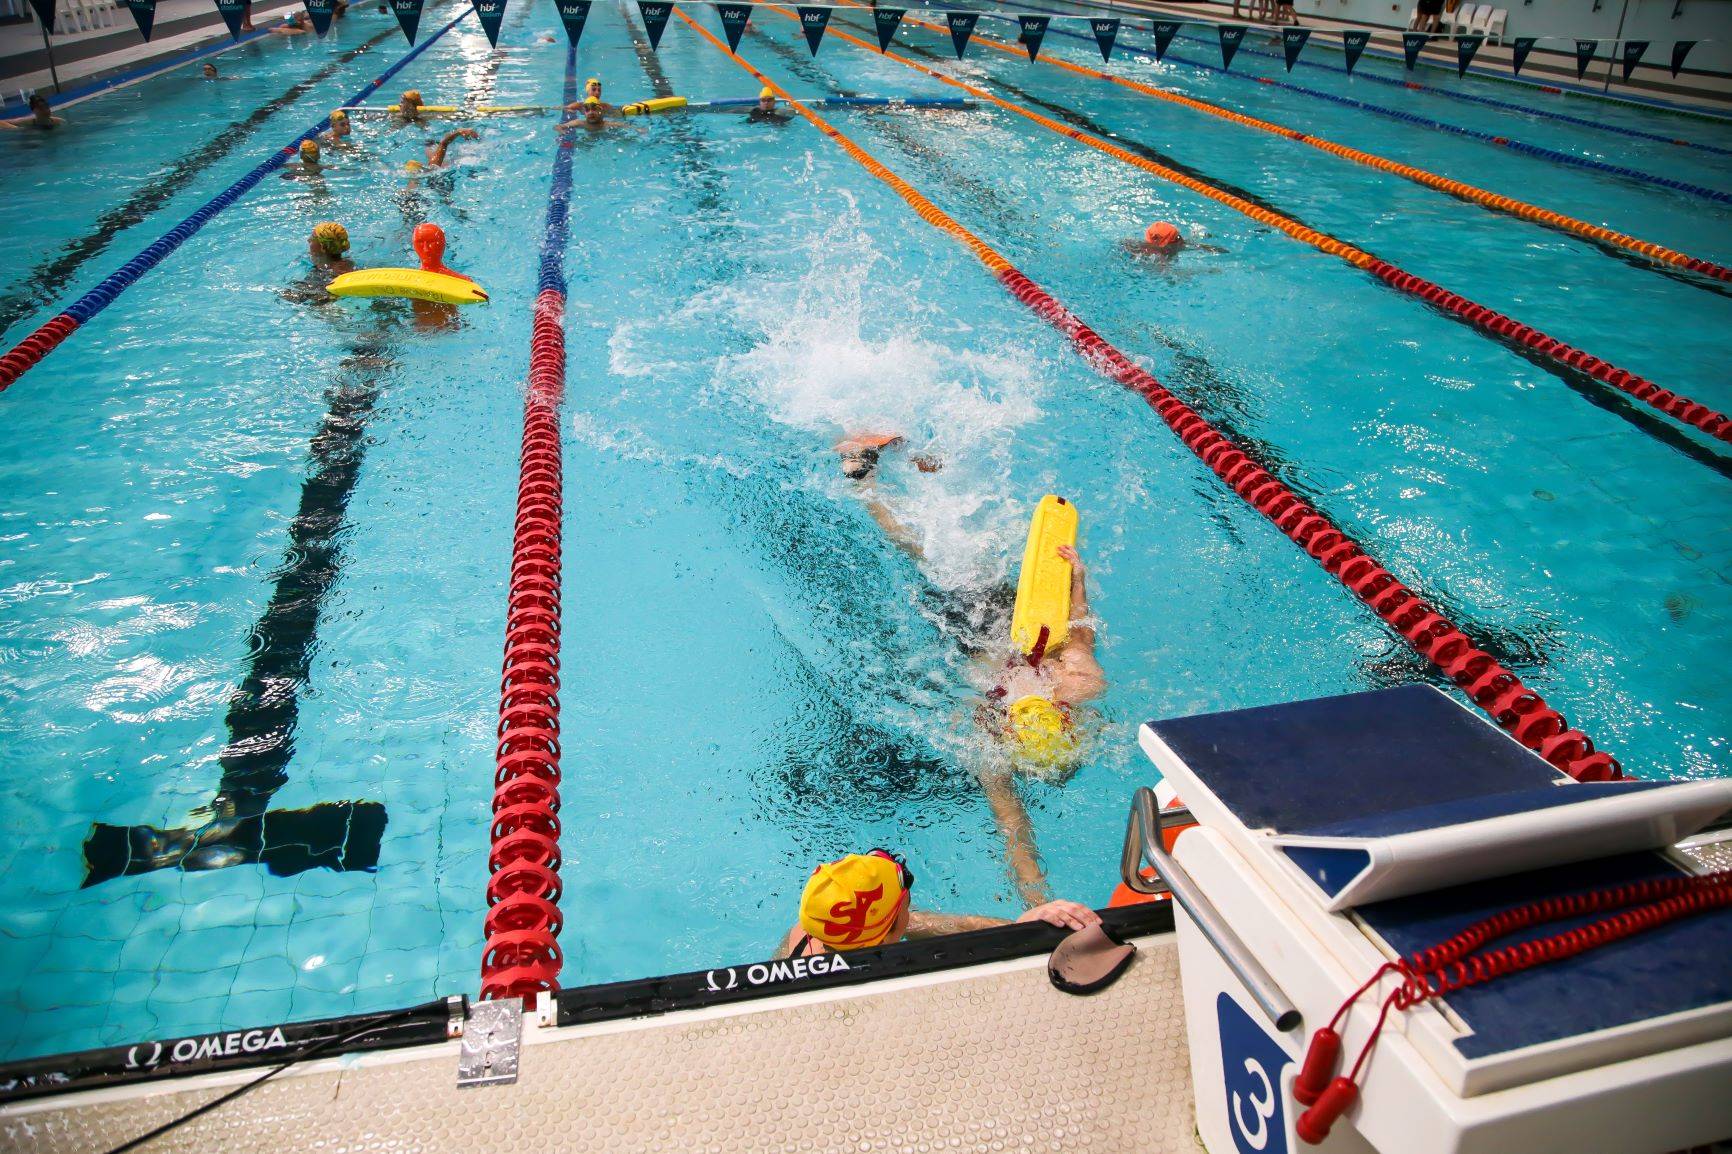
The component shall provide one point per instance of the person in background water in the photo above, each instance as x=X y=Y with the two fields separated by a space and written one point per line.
x=41 y=116
x=209 y=72
x=591 y=91
x=764 y=111
x=310 y=166
x=297 y=25
x=436 y=153
x=863 y=900
x=409 y=107
x=1164 y=241
x=338 y=134
x=595 y=118
x=328 y=248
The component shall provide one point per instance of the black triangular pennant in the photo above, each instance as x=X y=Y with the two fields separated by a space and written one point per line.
x=1680 y=50
x=574 y=14
x=233 y=12
x=491 y=13
x=1465 y=47
x=1584 y=55
x=961 y=28
x=1232 y=35
x=735 y=17
x=144 y=14
x=1293 y=43
x=887 y=20
x=655 y=20
x=1633 y=50
x=1165 y=30
x=321 y=12
x=44 y=13
x=1413 y=43
x=1106 y=32
x=813 y=21
x=1033 y=32
x=1522 y=45
x=1353 y=43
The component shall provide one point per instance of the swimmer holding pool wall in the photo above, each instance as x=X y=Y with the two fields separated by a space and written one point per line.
x=1028 y=714
x=864 y=900
x=41 y=117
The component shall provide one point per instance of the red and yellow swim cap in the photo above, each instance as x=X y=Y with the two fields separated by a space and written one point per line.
x=852 y=903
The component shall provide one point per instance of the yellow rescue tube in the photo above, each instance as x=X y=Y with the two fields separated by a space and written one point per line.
x=1042 y=615
x=414 y=283
x=436 y=108
x=659 y=104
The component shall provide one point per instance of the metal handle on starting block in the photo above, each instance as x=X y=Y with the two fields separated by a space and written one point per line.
x=1143 y=843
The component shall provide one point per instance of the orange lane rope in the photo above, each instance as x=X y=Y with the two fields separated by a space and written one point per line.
x=1682 y=408
x=1489 y=685
x=1466 y=191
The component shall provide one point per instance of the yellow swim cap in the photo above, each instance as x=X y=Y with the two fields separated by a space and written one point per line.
x=592 y=80
x=410 y=96
x=338 y=116
x=332 y=237
x=413 y=166
x=1040 y=728
x=592 y=102
x=852 y=903
x=766 y=93
x=309 y=150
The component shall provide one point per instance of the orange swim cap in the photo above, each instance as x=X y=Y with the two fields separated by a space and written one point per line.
x=852 y=903
x=1162 y=235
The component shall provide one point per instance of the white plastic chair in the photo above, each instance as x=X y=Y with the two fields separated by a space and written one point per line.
x=1463 y=19
x=1495 y=21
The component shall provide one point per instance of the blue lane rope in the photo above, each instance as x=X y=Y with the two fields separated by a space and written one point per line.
x=1489 y=101
x=553 y=240
x=123 y=278
x=1566 y=158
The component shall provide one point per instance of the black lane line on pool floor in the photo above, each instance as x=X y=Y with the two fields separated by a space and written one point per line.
x=265 y=709
x=42 y=286
x=1227 y=406
x=1594 y=391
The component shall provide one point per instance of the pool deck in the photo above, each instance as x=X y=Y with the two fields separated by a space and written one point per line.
x=185 y=31
x=989 y=1057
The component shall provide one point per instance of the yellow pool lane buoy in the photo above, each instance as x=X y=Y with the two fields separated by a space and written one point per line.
x=413 y=283
x=1041 y=619
x=659 y=104
x=437 y=108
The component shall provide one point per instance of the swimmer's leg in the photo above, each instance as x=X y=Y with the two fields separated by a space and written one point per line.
x=1020 y=852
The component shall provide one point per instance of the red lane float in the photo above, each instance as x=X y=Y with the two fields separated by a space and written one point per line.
x=521 y=957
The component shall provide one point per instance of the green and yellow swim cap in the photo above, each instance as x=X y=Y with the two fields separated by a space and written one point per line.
x=309 y=150
x=766 y=93
x=332 y=237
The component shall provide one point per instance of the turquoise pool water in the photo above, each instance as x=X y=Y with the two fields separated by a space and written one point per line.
x=245 y=535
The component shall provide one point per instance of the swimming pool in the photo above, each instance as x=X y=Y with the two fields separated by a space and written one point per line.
x=212 y=486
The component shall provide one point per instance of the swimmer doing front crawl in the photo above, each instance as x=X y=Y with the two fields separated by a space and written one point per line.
x=1026 y=711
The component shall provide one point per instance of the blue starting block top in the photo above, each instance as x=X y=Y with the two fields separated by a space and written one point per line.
x=1409 y=768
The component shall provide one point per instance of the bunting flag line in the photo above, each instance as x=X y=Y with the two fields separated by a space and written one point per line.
x=1232 y=35
x=1519 y=53
x=321 y=11
x=1680 y=50
x=886 y=20
x=232 y=12
x=813 y=22
x=1033 y=32
x=1293 y=43
x=44 y=13
x=1413 y=43
x=655 y=20
x=961 y=28
x=1165 y=30
x=574 y=14
x=1465 y=47
x=1106 y=33
x=144 y=15
x=491 y=13
x=1584 y=54
x=735 y=17
x=1353 y=43
x=1633 y=50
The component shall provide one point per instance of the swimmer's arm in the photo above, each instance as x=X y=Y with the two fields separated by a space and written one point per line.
x=1018 y=834
x=927 y=925
x=1079 y=674
x=893 y=529
x=436 y=155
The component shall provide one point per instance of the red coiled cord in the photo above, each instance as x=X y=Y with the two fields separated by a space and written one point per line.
x=1454 y=965
x=521 y=957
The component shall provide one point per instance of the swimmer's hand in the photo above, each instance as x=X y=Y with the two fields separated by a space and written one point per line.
x=1069 y=553
x=468 y=134
x=1065 y=915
